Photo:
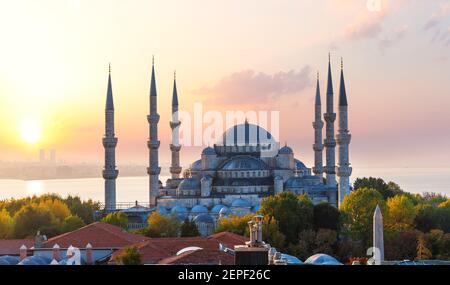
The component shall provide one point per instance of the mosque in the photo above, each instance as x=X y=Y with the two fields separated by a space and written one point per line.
x=232 y=176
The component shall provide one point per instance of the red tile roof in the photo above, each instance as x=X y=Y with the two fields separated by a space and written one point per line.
x=200 y=257
x=12 y=246
x=98 y=234
x=155 y=250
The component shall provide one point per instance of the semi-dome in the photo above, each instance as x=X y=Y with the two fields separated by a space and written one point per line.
x=224 y=211
x=189 y=184
x=285 y=150
x=216 y=209
x=241 y=203
x=244 y=162
x=299 y=165
x=199 y=209
x=209 y=151
x=322 y=259
x=196 y=165
x=204 y=218
x=246 y=134
x=179 y=209
x=162 y=210
x=295 y=182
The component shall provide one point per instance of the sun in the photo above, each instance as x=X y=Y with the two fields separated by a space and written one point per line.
x=30 y=131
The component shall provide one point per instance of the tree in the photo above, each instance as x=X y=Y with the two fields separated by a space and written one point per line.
x=272 y=234
x=433 y=198
x=426 y=218
x=401 y=213
x=312 y=242
x=31 y=219
x=444 y=248
x=163 y=225
x=422 y=250
x=72 y=223
x=189 y=229
x=293 y=214
x=119 y=219
x=6 y=224
x=388 y=190
x=234 y=224
x=401 y=245
x=83 y=209
x=326 y=217
x=59 y=210
x=357 y=212
x=130 y=256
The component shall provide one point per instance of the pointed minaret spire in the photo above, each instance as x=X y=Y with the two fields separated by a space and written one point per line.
x=175 y=147
x=329 y=141
x=318 y=126
x=343 y=139
x=110 y=172
x=153 y=169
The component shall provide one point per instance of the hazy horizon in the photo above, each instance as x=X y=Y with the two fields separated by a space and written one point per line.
x=229 y=55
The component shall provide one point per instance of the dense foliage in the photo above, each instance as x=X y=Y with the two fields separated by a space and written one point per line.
x=130 y=256
x=50 y=214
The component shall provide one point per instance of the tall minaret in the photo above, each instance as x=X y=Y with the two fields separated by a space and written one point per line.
x=175 y=147
x=329 y=141
x=343 y=140
x=318 y=126
x=110 y=172
x=153 y=143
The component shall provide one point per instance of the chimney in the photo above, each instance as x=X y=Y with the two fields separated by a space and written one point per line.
x=23 y=252
x=38 y=240
x=255 y=251
x=89 y=255
x=55 y=252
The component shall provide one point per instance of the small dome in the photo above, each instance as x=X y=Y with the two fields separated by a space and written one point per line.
x=204 y=218
x=199 y=209
x=285 y=150
x=300 y=165
x=244 y=162
x=322 y=259
x=216 y=209
x=196 y=165
x=162 y=210
x=241 y=203
x=295 y=182
x=189 y=184
x=9 y=260
x=256 y=208
x=179 y=209
x=209 y=151
x=35 y=260
x=224 y=211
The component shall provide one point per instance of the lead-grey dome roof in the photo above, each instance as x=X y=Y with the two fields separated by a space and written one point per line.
x=191 y=183
x=208 y=151
x=216 y=209
x=199 y=209
x=244 y=162
x=246 y=134
x=204 y=218
x=295 y=182
x=322 y=259
x=286 y=150
x=241 y=203
x=300 y=165
x=196 y=165
x=179 y=209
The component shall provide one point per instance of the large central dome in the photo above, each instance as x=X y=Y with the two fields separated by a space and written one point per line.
x=246 y=135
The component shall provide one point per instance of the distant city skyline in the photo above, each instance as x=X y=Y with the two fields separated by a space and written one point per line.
x=229 y=55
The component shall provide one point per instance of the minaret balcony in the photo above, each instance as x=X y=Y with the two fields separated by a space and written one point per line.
x=110 y=173
x=153 y=144
x=109 y=142
x=317 y=169
x=175 y=147
x=175 y=169
x=173 y=125
x=329 y=142
x=330 y=169
x=343 y=138
x=317 y=125
x=329 y=117
x=153 y=118
x=153 y=170
x=344 y=171
x=317 y=147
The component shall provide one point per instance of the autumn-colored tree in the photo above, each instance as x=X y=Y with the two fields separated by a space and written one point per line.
x=58 y=208
x=401 y=245
x=130 y=256
x=357 y=213
x=6 y=224
x=401 y=213
x=30 y=219
x=422 y=250
x=72 y=223
x=119 y=219
x=189 y=229
x=163 y=225
x=234 y=224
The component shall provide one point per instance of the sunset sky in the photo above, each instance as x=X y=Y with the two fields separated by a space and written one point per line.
x=230 y=55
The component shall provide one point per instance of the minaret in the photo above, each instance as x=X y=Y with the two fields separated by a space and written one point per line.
x=318 y=126
x=343 y=140
x=153 y=143
x=175 y=147
x=110 y=172
x=329 y=141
